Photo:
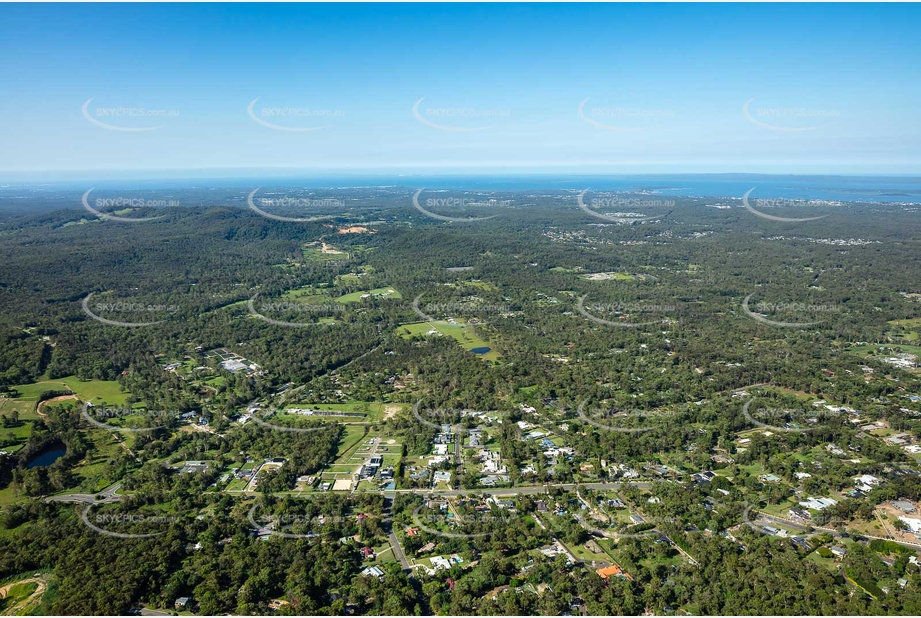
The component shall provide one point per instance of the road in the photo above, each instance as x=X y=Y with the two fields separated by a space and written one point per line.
x=458 y=441
x=515 y=491
x=494 y=491
x=394 y=541
x=831 y=531
x=16 y=609
x=106 y=495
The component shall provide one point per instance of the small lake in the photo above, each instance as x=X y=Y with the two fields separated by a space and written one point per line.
x=483 y=350
x=47 y=458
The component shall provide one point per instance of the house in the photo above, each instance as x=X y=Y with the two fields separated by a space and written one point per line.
x=439 y=563
x=819 y=504
x=838 y=551
x=636 y=519
x=426 y=548
x=703 y=477
x=903 y=505
x=612 y=571
x=799 y=514
x=373 y=572
x=914 y=525
x=277 y=604
x=867 y=479
x=182 y=602
x=768 y=478
x=194 y=467
x=412 y=531
x=367 y=552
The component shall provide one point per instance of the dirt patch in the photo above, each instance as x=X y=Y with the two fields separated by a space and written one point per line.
x=890 y=515
x=16 y=609
x=390 y=411
x=38 y=408
x=325 y=248
x=355 y=229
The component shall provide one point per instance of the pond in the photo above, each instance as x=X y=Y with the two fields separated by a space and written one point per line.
x=483 y=350
x=47 y=458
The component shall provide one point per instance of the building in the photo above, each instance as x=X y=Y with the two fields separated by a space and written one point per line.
x=703 y=477
x=183 y=603
x=913 y=524
x=819 y=504
x=612 y=571
x=799 y=514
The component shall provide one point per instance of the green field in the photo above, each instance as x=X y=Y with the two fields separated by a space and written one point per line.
x=356 y=297
x=315 y=254
x=308 y=295
x=888 y=349
x=463 y=333
x=16 y=595
x=610 y=276
x=906 y=329
x=351 y=436
x=372 y=411
x=94 y=391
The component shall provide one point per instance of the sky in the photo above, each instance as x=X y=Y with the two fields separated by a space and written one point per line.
x=142 y=89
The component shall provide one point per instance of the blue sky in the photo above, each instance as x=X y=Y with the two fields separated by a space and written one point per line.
x=662 y=88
